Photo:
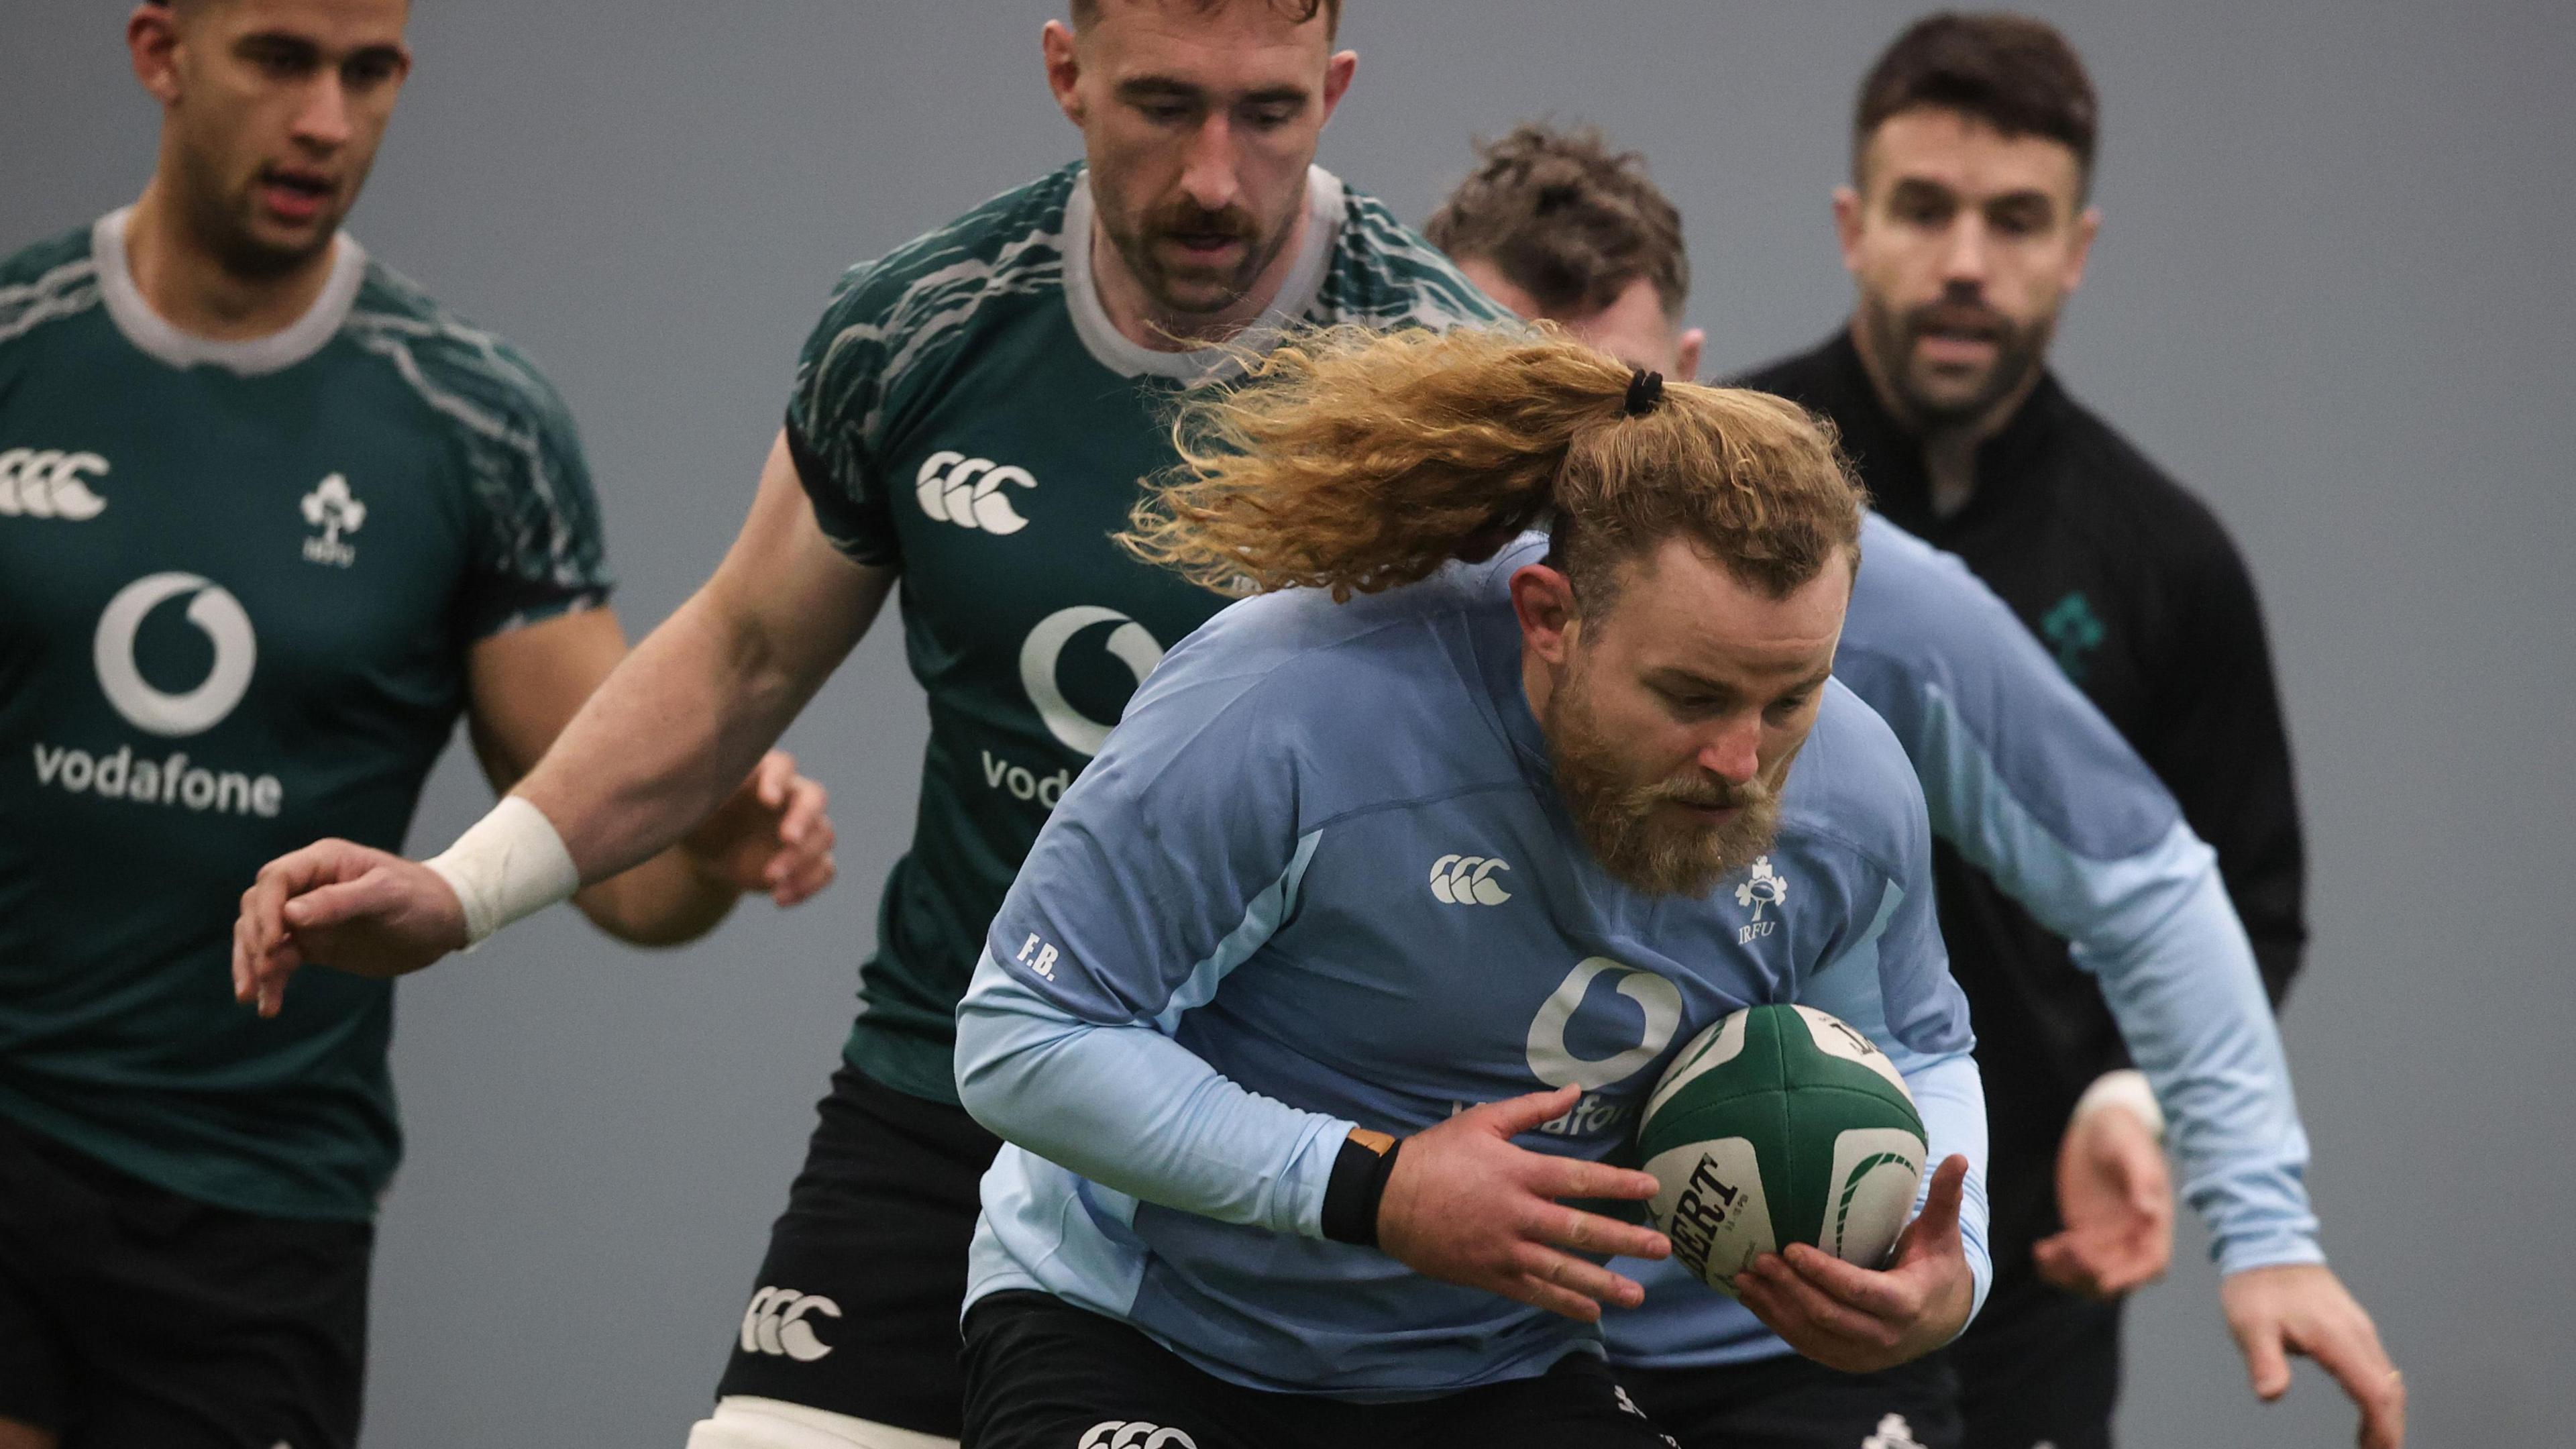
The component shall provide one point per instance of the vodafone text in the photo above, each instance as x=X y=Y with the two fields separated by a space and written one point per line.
x=170 y=780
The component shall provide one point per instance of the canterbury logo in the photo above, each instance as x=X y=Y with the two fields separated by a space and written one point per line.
x=954 y=488
x=1124 y=1434
x=776 y=1323
x=1468 y=880
x=48 y=483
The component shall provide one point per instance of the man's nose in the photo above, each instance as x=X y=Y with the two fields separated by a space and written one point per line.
x=1732 y=750
x=1208 y=171
x=323 y=119
x=1964 y=259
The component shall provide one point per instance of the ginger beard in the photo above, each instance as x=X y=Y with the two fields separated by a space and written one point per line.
x=1632 y=820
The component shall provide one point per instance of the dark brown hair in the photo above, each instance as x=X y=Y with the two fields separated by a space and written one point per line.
x=1355 y=460
x=1297 y=11
x=1565 y=219
x=2013 y=72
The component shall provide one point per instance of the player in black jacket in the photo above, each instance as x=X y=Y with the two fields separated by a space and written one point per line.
x=1966 y=229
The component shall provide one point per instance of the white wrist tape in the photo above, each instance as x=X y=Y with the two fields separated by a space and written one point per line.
x=2125 y=1088
x=510 y=864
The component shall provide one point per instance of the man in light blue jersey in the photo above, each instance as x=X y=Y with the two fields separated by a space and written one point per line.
x=2031 y=785
x=1260 y=1072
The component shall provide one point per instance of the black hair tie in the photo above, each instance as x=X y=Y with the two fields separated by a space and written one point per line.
x=1645 y=391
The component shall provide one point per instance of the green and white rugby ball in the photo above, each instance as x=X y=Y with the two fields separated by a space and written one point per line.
x=1780 y=1125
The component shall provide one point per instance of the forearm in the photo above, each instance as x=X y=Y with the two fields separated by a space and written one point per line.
x=2192 y=1008
x=667 y=901
x=665 y=739
x=1951 y=1097
x=1137 y=1112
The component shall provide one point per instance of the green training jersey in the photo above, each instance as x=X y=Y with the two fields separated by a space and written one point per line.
x=966 y=413
x=237 y=586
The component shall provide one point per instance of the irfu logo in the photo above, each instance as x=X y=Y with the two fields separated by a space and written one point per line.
x=331 y=508
x=2073 y=632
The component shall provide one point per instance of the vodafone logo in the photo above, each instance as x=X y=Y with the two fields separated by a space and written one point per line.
x=1042 y=658
x=216 y=613
x=1658 y=1001
x=50 y=483
x=969 y=492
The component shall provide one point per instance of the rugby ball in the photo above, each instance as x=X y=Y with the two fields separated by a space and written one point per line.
x=1780 y=1125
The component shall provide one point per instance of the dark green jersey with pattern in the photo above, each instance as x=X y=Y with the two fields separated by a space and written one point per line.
x=966 y=413
x=237 y=586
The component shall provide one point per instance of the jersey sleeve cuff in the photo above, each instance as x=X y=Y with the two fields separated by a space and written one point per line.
x=862 y=533
x=516 y=606
x=1309 y=1178
x=2283 y=1248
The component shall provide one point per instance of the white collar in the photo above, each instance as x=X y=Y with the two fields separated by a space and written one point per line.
x=152 y=334
x=1127 y=358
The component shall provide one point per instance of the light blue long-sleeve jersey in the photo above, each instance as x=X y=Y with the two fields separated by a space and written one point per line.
x=2033 y=786
x=1320 y=878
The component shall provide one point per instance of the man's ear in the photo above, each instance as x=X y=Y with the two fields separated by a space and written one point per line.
x=1686 y=355
x=1543 y=601
x=152 y=39
x=1337 y=79
x=2088 y=225
x=1063 y=68
x=1847 y=219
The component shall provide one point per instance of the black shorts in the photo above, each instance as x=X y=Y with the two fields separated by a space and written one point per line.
x=2046 y=1370
x=1790 y=1402
x=133 y=1318
x=855 y=1309
x=1043 y=1374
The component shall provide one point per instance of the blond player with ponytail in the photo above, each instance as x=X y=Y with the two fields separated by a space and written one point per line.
x=1311 y=950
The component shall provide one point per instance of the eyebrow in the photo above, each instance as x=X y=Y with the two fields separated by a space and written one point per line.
x=279 y=39
x=1173 y=88
x=1159 y=87
x=306 y=45
x=2019 y=196
x=1672 y=675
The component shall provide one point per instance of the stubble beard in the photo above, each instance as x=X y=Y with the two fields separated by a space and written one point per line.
x=220 y=220
x=1191 y=297
x=1622 y=820
x=2019 y=351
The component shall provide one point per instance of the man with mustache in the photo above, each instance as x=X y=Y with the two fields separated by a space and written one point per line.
x=1408 y=858
x=1966 y=229
x=271 y=519
x=2033 y=788
x=970 y=419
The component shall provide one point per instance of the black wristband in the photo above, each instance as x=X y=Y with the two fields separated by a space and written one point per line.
x=1352 y=1193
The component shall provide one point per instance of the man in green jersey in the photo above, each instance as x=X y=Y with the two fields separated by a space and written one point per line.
x=970 y=419
x=270 y=519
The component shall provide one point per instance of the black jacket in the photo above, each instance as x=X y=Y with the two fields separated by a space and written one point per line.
x=2134 y=586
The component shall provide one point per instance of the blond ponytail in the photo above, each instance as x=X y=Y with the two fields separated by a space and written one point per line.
x=1354 y=460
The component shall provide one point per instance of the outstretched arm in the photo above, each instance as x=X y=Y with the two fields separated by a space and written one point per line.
x=2033 y=786
x=524 y=685
x=675 y=727
x=662 y=743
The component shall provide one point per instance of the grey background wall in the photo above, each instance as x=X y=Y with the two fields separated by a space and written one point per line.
x=2332 y=292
